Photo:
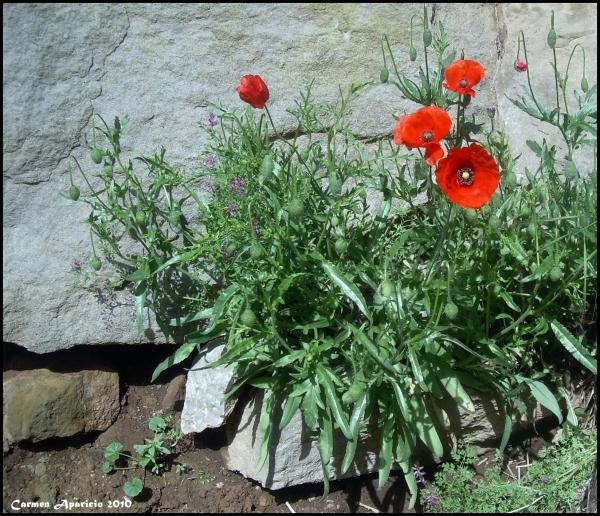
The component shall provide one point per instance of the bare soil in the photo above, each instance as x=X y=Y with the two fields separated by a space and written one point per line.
x=62 y=471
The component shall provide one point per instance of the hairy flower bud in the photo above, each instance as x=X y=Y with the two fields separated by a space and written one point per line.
x=96 y=155
x=73 y=193
x=384 y=74
x=412 y=53
x=552 y=38
x=427 y=37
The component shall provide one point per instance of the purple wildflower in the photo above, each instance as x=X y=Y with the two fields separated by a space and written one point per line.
x=210 y=161
x=419 y=472
x=76 y=265
x=431 y=499
x=212 y=120
x=238 y=187
x=545 y=479
x=230 y=210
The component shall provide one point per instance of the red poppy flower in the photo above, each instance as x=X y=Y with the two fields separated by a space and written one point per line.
x=253 y=90
x=468 y=176
x=424 y=128
x=462 y=75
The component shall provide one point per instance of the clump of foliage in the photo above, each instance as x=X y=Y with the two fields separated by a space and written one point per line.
x=555 y=483
x=344 y=283
x=149 y=456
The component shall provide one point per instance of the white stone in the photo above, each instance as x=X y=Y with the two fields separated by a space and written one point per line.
x=203 y=407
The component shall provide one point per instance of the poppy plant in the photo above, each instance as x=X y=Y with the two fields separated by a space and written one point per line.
x=424 y=128
x=468 y=176
x=253 y=90
x=462 y=75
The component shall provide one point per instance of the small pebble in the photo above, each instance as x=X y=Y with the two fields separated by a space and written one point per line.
x=219 y=485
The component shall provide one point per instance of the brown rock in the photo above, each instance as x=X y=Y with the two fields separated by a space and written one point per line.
x=173 y=400
x=39 y=403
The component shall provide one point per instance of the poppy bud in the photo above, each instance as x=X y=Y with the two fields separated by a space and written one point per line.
x=471 y=215
x=267 y=166
x=584 y=85
x=412 y=53
x=256 y=251
x=107 y=170
x=555 y=274
x=495 y=223
x=95 y=263
x=387 y=289
x=73 y=193
x=353 y=394
x=451 y=310
x=532 y=229
x=96 y=155
x=384 y=74
x=552 y=38
x=304 y=155
x=340 y=245
x=248 y=318
x=427 y=37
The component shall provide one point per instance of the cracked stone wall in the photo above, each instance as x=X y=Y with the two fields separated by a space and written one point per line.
x=158 y=63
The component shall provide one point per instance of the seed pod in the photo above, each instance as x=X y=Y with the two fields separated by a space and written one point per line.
x=384 y=75
x=552 y=38
x=267 y=166
x=73 y=193
x=95 y=263
x=256 y=251
x=340 y=246
x=584 y=84
x=555 y=274
x=295 y=208
x=96 y=155
x=451 y=310
x=107 y=170
x=387 y=289
x=471 y=215
x=427 y=37
x=412 y=53
x=248 y=318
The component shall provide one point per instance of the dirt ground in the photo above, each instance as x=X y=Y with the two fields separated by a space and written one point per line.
x=62 y=471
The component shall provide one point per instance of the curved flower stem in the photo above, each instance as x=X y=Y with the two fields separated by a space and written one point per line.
x=441 y=238
x=556 y=79
x=564 y=88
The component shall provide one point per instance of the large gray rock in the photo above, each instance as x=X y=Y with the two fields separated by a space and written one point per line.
x=38 y=404
x=203 y=406
x=158 y=63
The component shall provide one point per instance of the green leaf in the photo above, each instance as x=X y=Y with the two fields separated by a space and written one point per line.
x=157 y=424
x=220 y=305
x=414 y=364
x=334 y=403
x=425 y=429
x=507 y=430
x=347 y=287
x=325 y=447
x=141 y=274
x=355 y=420
x=386 y=452
x=113 y=451
x=411 y=482
x=544 y=396
x=570 y=343
x=291 y=407
x=205 y=313
x=571 y=415
x=185 y=351
x=107 y=467
x=455 y=389
x=372 y=349
x=264 y=427
x=535 y=147
x=133 y=487
x=140 y=293
x=402 y=402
